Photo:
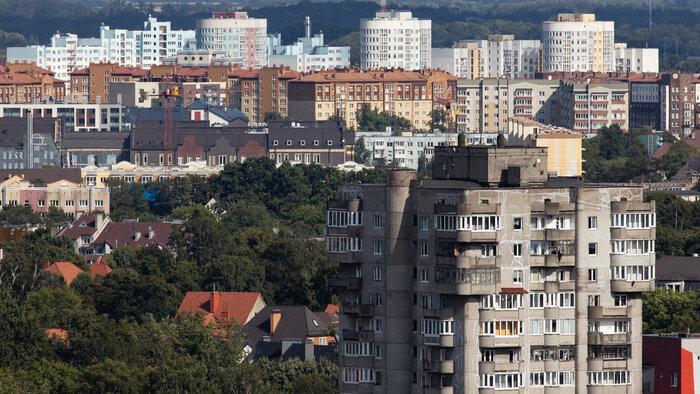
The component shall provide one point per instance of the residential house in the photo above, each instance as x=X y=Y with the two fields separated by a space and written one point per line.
x=225 y=306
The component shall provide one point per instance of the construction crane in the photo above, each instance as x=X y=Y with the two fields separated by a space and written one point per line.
x=172 y=91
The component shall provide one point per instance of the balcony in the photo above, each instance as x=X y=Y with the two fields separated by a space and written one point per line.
x=479 y=236
x=555 y=260
x=598 y=338
x=623 y=286
x=430 y=365
x=637 y=206
x=431 y=312
x=555 y=234
x=345 y=283
x=345 y=258
x=637 y=233
x=491 y=341
x=447 y=340
x=447 y=366
x=350 y=205
x=599 y=312
x=361 y=310
x=358 y=335
x=431 y=340
x=537 y=260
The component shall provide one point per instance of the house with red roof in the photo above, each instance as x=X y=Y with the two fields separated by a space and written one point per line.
x=99 y=269
x=67 y=270
x=84 y=230
x=223 y=306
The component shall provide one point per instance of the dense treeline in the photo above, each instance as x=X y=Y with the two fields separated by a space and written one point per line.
x=667 y=311
x=118 y=333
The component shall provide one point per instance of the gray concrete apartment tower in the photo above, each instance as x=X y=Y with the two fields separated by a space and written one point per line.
x=492 y=276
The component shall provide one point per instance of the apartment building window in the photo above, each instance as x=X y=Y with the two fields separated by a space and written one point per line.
x=518 y=250
x=517 y=223
x=424 y=249
x=378 y=273
x=70 y=203
x=99 y=203
x=621 y=326
x=487 y=355
x=377 y=221
x=426 y=301
x=609 y=378
x=375 y=325
x=378 y=351
x=517 y=276
x=83 y=203
x=378 y=247
x=424 y=278
x=489 y=250
x=620 y=300
x=53 y=203
x=592 y=222
x=537 y=275
x=674 y=379
x=593 y=300
x=592 y=274
x=592 y=249
x=41 y=203
x=424 y=223
x=375 y=299
x=536 y=300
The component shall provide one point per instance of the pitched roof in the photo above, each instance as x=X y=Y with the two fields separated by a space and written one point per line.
x=678 y=268
x=333 y=308
x=84 y=225
x=66 y=269
x=240 y=305
x=135 y=234
x=101 y=269
x=49 y=175
x=296 y=321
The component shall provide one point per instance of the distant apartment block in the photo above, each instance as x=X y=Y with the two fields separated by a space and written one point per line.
x=395 y=39
x=636 y=60
x=586 y=105
x=406 y=149
x=564 y=147
x=462 y=60
x=484 y=105
x=256 y=92
x=20 y=188
x=130 y=48
x=491 y=276
x=307 y=53
x=243 y=39
x=578 y=42
x=344 y=93
x=499 y=56
x=76 y=117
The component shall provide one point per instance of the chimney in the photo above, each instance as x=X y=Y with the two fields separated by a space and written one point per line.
x=99 y=220
x=275 y=317
x=151 y=233
x=137 y=236
x=307 y=27
x=214 y=301
x=46 y=264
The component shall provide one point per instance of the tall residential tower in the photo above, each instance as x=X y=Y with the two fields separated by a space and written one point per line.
x=395 y=39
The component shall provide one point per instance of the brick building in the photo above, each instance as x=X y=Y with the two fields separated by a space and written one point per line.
x=258 y=91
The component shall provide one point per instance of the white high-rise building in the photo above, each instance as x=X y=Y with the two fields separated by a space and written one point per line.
x=132 y=48
x=395 y=39
x=243 y=39
x=500 y=55
x=636 y=60
x=577 y=42
x=307 y=54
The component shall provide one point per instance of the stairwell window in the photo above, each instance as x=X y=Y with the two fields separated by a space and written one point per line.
x=378 y=246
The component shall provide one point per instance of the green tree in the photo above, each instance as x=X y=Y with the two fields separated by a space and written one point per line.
x=362 y=154
x=274 y=115
x=676 y=156
x=667 y=311
x=438 y=120
x=373 y=120
x=425 y=168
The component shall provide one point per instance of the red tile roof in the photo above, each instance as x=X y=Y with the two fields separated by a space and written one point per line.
x=101 y=269
x=135 y=234
x=66 y=269
x=57 y=333
x=238 y=305
x=693 y=140
x=193 y=72
x=241 y=73
x=333 y=308
x=81 y=71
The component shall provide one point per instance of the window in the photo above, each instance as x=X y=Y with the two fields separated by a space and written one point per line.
x=377 y=221
x=537 y=275
x=378 y=247
x=99 y=203
x=593 y=300
x=592 y=249
x=378 y=273
x=608 y=377
x=375 y=325
x=424 y=275
x=487 y=355
x=53 y=203
x=70 y=203
x=592 y=222
x=83 y=203
x=536 y=300
x=424 y=249
x=518 y=250
x=517 y=223
x=41 y=203
x=489 y=250
x=620 y=300
x=621 y=326
x=375 y=299
x=592 y=275
x=378 y=351
x=424 y=223
x=518 y=276
x=674 y=379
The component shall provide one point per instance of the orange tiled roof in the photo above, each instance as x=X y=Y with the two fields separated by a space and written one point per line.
x=81 y=71
x=101 y=269
x=66 y=269
x=239 y=305
x=332 y=308
x=352 y=75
